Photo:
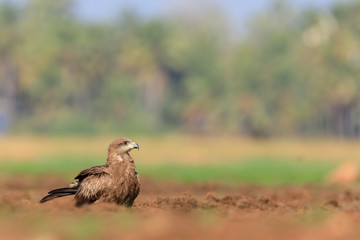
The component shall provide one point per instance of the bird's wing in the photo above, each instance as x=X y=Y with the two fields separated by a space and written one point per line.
x=98 y=170
x=92 y=184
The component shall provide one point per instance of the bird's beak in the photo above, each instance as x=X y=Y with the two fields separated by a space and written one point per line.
x=135 y=145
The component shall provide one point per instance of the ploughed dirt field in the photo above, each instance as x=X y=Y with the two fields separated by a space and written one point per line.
x=166 y=210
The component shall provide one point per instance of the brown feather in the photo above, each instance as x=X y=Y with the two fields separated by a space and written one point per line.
x=116 y=181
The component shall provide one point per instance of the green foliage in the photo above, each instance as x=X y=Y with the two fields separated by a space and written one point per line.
x=293 y=73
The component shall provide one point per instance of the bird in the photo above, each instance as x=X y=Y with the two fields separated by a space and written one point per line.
x=114 y=182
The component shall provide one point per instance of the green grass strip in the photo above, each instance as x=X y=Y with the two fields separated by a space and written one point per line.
x=258 y=171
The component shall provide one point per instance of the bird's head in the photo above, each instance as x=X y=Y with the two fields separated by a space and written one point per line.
x=122 y=145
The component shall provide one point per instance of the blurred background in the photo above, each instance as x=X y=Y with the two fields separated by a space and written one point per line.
x=273 y=84
x=258 y=69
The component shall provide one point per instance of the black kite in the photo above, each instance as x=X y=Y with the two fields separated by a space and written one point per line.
x=116 y=181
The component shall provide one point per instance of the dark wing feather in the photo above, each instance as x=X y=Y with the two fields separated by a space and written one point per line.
x=97 y=170
x=61 y=192
x=91 y=184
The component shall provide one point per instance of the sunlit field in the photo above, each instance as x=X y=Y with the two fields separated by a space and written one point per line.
x=206 y=187
x=184 y=149
x=185 y=158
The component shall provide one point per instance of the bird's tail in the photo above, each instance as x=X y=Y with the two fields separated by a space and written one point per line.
x=60 y=192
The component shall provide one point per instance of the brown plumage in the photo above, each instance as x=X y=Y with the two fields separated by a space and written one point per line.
x=116 y=181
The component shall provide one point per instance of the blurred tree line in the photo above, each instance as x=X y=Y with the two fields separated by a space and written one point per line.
x=290 y=73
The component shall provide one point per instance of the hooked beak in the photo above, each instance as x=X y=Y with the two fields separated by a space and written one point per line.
x=135 y=145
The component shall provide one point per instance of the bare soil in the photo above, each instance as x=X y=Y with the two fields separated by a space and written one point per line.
x=168 y=210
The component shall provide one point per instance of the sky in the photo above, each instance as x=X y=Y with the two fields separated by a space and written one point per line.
x=237 y=10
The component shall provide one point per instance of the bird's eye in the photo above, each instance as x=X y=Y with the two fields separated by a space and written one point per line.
x=125 y=142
